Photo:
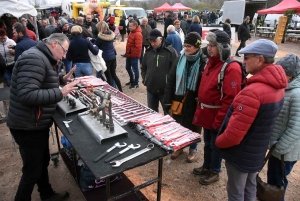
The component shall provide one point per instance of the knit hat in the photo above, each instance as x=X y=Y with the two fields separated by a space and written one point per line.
x=62 y=21
x=222 y=40
x=193 y=38
x=76 y=29
x=290 y=64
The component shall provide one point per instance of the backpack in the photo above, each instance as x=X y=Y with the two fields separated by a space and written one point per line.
x=222 y=74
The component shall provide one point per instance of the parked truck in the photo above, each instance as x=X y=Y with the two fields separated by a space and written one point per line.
x=236 y=11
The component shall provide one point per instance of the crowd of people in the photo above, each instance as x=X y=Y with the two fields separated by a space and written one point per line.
x=240 y=118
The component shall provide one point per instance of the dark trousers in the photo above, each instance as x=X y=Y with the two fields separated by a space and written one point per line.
x=34 y=151
x=144 y=47
x=242 y=45
x=153 y=101
x=275 y=173
x=111 y=75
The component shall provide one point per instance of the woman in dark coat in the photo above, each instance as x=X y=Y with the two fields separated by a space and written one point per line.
x=195 y=26
x=123 y=31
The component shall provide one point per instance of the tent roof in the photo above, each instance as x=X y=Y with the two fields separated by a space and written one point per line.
x=16 y=8
x=164 y=7
x=282 y=7
x=179 y=6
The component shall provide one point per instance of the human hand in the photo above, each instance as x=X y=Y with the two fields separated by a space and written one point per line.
x=11 y=51
x=69 y=87
x=67 y=77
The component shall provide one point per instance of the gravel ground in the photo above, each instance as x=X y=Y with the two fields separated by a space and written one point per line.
x=179 y=183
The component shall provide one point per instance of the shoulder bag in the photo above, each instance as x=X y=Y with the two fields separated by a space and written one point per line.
x=176 y=107
x=268 y=192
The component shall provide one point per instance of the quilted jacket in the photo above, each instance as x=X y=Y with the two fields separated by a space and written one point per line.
x=134 y=43
x=287 y=126
x=248 y=125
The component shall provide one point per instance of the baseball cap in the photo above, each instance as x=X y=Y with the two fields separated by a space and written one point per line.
x=154 y=33
x=263 y=47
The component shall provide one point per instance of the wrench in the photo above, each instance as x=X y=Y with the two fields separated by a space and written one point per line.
x=117 y=145
x=67 y=125
x=117 y=163
x=123 y=151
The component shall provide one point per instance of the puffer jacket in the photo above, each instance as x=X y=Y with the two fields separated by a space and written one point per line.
x=134 y=43
x=209 y=94
x=145 y=33
x=34 y=90
x=248 y=125
x=156 y=66
x=243 y=32
x=286 y=130
x=105 y=42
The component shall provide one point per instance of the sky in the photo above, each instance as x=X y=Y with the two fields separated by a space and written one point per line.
x=47 y=1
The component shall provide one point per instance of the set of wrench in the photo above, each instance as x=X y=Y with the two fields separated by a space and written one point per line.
x=117 y=163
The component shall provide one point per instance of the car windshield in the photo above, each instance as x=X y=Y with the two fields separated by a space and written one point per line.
x=139 y=13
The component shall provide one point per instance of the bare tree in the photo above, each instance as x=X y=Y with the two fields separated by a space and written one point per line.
x=37 y=3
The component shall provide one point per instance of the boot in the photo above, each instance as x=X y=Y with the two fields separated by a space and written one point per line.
x=210 y=178
x=176 y=154
x=58 y=196
x=201 y=171
x=191 y=157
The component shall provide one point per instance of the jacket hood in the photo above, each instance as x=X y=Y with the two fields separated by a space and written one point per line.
x=43 y=48
x=107 y=36
x=272 y=75
x=138 y=29
x=295 y=83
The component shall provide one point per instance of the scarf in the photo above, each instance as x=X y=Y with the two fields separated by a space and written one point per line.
x=184 y=80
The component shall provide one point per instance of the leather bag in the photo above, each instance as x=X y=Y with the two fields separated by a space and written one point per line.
x=120 y=27
x=268 y=192
x=176 y=107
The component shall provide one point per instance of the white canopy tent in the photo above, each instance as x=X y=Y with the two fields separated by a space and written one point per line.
x=16 y=8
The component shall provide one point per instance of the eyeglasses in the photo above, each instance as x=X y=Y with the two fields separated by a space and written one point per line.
x=187 y=46
x=65 y=51
x=211 y=46
x=246 y=57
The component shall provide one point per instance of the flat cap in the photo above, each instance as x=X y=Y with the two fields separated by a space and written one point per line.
x=263 y=47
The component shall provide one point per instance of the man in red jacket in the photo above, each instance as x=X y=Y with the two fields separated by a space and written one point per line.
x=133 y=53
x=248 y=125
x=214 y=101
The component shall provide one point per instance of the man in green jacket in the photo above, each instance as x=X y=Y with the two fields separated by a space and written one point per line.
x=184 y=25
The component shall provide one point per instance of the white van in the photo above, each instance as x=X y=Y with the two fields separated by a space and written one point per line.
x=126 y=11
x=271 y=20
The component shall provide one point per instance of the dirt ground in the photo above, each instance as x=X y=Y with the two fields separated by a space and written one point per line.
x=179 y=183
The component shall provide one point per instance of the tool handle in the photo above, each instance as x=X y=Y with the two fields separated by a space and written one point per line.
x=112 y=157
x=101 y=156
x=70 y=130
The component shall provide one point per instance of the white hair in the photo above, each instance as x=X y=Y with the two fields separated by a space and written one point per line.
x=170 y=28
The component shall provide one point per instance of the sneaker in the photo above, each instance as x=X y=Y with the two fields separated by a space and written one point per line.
x=212 y=177
x=58 y=196
x=201 y=171
x=123 y=55
x=176 y=154
x=128 y=83
x=237 y=55
x=191 y=157
x=133 y=86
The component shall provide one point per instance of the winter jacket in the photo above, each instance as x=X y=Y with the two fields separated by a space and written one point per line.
x=286 y=130
x=59 y=30
x=209 y=94
x=134 y=43
x=243 y=32
x=175 y=41
x=49 y=29
x=247 y=128
x=78 y=50
x=180 y=33
x=227 y=29
x=168 y=21
x=92 y=25
x=30 y=34
x=122 y=23
x=152 y=23
x=190 y=104
x=105 y=42
x=23 y=43
x=4 y=51
x=156 y=66
x=195 y=27
x=34 y=90
x=145 y=33
x=184 y=26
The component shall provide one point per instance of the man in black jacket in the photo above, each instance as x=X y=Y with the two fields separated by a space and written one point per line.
x=156 y=65
x=34 y=94
x=243 y=35
x=168 y=21
x=91 y=26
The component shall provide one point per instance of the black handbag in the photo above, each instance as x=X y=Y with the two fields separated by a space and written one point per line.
x=268 y=192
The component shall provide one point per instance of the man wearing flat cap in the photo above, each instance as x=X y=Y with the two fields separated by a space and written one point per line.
x=245 y=132
x=157 y=62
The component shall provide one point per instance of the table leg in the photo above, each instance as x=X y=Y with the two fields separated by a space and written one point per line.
x=107 y=188
x=159 y=182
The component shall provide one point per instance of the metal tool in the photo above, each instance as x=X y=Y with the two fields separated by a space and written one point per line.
x=123 y=151
x=117 y=163
x=68 y=127
x=117 y=145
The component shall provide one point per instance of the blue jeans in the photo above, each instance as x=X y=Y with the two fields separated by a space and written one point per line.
x=83 y=69
x=132 y=65
x=212 y=159
x=274 y=171
x=153 y=101
x=7 y=76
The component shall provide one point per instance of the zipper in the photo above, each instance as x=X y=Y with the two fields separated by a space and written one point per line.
x=39 y=113
x=157 y=60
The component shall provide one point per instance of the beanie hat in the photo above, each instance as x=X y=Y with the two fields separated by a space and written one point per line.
x=193 y=38
x=62 y=22
x=290 y=64
x=76 y=29
x=222 y=40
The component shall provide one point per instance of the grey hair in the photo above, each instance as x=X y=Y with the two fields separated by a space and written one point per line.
x=145 y=19
x=51 y=20
x=269 y=60
x=57 y=37
x=80 y=20
x=171 y=28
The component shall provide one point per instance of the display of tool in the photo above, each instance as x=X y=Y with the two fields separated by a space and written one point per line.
x=123 y=151
x=117 y=145
x=117 y=163
x=68 y=127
